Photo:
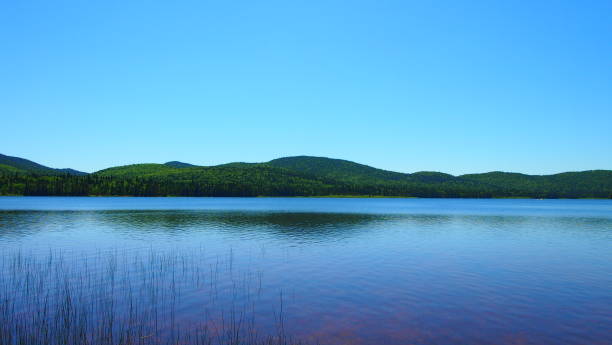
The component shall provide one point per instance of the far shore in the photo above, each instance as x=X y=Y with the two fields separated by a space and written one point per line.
x=300 y=196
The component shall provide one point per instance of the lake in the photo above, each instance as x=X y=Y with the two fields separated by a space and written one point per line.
x=327 y=270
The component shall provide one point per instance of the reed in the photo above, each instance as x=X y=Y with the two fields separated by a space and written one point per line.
x=132 y=297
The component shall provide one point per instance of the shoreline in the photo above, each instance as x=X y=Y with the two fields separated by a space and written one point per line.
x=302 y=196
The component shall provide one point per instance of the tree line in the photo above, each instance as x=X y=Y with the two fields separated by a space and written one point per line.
x=263 y=183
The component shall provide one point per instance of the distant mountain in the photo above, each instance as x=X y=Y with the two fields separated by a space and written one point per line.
x=293 y=176
x=70 y=171
x=24 y=165
x=177 y=164
x=432 y=176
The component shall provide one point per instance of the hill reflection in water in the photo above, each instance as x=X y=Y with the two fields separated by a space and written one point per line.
x=537 y=276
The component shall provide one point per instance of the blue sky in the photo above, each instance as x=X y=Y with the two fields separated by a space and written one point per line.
x=453 y=86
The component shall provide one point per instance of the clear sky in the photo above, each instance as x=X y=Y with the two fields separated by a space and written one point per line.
x=452 y=86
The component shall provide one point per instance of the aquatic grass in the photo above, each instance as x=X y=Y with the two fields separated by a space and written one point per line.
x=128 y=298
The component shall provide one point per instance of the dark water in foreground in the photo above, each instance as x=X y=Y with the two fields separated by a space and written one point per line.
x=346 y=271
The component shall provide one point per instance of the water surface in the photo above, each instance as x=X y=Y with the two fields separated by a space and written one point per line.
x=362 y=271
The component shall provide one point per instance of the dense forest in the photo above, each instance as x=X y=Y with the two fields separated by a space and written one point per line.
x=291 y=176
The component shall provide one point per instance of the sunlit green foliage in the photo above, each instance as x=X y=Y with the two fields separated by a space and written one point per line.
x=32 y=167
x=301 y=176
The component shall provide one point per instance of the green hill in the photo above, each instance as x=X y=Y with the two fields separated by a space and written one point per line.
x=294 y=176
x=594 y=183
x=139 y=170
x=222 y=180
x=362 y=179
x=343 y=170
x=28 y=166
x=337 y=169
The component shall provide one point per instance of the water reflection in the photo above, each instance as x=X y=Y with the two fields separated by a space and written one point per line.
x=183 y=223
x=370 y=278
x=299 y=226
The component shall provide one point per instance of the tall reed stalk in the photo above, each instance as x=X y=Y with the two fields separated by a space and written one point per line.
x=128 y=298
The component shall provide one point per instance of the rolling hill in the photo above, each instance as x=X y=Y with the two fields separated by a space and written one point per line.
x=27 y=166
x=336 y=169
x=339 y=169
x=591 y=182
x=292 y=176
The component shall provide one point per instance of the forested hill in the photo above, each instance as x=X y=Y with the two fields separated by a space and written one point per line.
x=291 y=176
x=343 y=170
x=24 y=165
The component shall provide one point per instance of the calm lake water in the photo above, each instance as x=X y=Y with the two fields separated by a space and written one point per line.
x=353 y=271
